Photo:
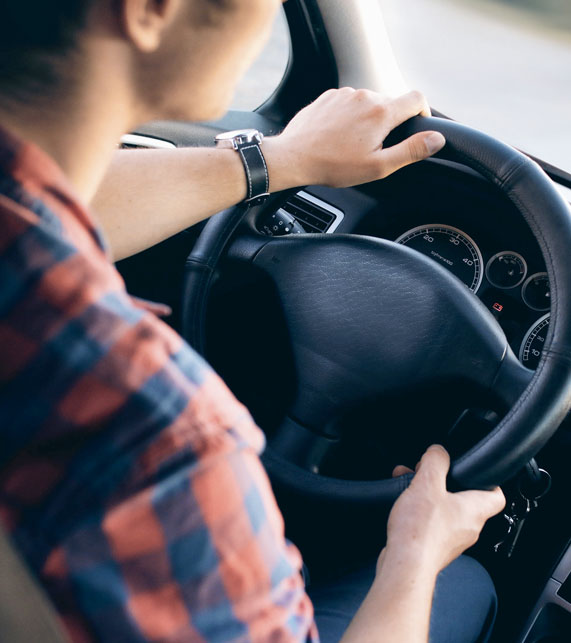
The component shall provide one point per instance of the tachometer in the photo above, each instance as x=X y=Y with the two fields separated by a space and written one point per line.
x=449 y=247
x=533 y=343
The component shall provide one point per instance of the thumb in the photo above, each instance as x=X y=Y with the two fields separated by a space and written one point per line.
x=413 y=149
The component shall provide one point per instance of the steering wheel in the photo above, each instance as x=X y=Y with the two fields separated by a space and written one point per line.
x=367 y=324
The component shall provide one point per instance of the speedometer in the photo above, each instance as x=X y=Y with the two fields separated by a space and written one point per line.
x=449 y=247
x=533 y=343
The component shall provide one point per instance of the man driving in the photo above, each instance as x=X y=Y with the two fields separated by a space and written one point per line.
x=130 y=477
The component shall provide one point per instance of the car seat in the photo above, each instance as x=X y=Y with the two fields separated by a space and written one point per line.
x=26 y=615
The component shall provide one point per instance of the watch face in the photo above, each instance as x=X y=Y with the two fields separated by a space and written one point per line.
x=246 y=136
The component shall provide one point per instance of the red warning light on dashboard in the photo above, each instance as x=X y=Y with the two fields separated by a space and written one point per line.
x=498 y=307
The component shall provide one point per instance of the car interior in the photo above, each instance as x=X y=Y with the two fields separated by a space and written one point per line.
x=361 y=325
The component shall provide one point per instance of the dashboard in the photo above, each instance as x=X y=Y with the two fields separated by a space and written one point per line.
x=447 y=212
x=456 y=218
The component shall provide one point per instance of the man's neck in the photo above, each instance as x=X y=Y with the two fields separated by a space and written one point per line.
x=79 y=132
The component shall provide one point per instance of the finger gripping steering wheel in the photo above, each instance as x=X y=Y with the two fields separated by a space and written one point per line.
x=366 y=321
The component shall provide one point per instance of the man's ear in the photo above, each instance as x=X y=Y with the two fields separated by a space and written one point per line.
x=145 y=21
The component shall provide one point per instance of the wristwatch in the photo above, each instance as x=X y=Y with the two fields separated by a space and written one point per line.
x=247 y=142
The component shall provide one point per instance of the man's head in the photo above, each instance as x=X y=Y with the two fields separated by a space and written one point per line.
x=181 y=58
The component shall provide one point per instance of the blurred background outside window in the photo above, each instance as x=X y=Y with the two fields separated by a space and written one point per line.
x=503 y=66
x=267 y=72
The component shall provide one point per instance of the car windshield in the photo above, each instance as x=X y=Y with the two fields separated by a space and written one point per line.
x=502 y=66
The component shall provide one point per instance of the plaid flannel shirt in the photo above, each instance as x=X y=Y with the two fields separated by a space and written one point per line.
x=129 y=474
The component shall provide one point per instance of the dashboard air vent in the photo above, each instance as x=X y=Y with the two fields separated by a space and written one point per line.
x=313 y=214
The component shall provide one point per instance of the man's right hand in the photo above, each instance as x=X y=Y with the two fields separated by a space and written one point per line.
x=338 y=140
x=430 y=526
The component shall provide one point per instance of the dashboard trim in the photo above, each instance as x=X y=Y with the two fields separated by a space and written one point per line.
x=148 y=142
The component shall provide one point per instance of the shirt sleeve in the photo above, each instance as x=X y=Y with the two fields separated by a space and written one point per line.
x=135 y=471
x=198 y=555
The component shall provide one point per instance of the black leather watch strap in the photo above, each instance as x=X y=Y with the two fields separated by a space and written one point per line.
x=257 y=176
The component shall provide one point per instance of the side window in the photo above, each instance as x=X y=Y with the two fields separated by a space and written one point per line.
x=502 y=66
x=267 y=72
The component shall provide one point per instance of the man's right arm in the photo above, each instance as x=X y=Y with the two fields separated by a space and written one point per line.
x=428 y=528
x=149 y=195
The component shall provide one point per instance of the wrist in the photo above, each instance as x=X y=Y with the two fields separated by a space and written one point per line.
x=285 y=168
x=409 y=559
x=233 y=172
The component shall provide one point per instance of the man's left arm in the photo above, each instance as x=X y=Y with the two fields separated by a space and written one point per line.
x=150 y=195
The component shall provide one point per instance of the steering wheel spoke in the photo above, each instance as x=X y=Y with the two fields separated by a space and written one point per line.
x=246 y=246
x=299 y=445
x=511 y=381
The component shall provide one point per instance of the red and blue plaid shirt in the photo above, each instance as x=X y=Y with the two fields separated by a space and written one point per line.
x=129 y=474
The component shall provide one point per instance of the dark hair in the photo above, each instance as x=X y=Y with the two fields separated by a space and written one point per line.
x=34 y=36
x=37 y=37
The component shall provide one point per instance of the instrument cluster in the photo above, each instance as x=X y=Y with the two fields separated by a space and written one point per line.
x=518 y=297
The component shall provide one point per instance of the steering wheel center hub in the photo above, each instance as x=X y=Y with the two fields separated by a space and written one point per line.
x=369 y=316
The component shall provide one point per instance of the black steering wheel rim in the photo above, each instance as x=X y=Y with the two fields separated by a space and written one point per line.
x=544 y=403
